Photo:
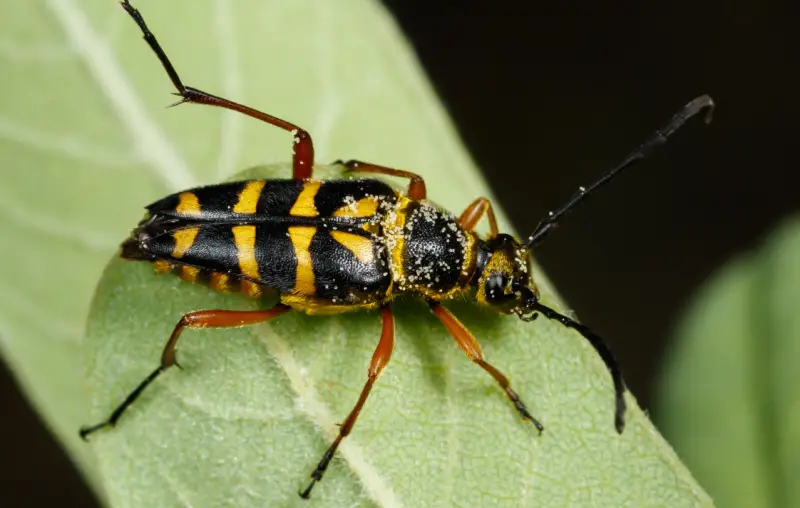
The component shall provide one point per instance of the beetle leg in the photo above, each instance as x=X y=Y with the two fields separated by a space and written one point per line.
x=467 y=342
x=474 y=212
x=416 y=187
x=380 y=358
x=303 y=147
x=197 y=319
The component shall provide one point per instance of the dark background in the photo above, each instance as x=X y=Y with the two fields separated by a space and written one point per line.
x=547 y=96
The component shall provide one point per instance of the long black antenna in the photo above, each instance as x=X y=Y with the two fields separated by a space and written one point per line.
x=658 y=138
x=599 y=346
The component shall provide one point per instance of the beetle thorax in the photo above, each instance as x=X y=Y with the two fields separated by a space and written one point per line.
x=431 y=254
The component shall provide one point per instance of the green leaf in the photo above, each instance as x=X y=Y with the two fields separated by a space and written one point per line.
x=85 y=143
x=729 y=398
x=253 y=409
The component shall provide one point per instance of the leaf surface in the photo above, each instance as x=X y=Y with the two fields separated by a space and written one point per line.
x=85 y=143
x=246 y=420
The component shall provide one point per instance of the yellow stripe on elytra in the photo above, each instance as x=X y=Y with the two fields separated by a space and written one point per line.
x=360 y=246
x=301 y=240
x=244 y=237
x=304 y=205
x=248 y=197
x=184 y=238
x=188 y=204
x=364 y=207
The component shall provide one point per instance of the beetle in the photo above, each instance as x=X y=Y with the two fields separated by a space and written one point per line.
x=336 y=246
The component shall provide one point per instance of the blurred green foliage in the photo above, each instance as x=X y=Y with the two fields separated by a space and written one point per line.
x=730 y=397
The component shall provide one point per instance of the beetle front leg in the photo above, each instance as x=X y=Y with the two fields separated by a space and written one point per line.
x=469 y=345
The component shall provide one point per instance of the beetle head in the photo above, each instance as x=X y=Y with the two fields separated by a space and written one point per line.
x=505 y=283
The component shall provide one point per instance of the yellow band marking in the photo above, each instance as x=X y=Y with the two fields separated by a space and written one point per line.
x=245 y=239
x=163 y=266
x=395 y=233
x=250 y=289
x=189 y=273
x=304 y=206
x=219 y=282
x=364 y=207
x=301 y=240
x=360 y=246
x=184 y=238
x=248 y=197
x=188 y=204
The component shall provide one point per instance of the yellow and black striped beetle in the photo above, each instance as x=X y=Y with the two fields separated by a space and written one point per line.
x=344 y=245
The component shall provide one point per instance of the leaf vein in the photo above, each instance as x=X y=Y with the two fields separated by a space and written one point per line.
x=54 y=326
x=68 y=146
x=149 y=141
x=52 y=227
x=232 y=85
x=26 y=53
x=303 y=385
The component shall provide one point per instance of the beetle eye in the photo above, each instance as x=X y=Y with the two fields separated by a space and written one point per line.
x=496 y=286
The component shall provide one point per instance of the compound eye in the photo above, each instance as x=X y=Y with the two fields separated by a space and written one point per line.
x=498 y=289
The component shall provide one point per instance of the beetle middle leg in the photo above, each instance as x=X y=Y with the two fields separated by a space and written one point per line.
x=467 y=342
x=474 y=212
x=416 y=186
x=197 y=319
x=380 y=358
x=303 y=147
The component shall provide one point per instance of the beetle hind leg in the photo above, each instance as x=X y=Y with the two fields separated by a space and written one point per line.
x=303 y=147
x=380 y=358
x=197 y=319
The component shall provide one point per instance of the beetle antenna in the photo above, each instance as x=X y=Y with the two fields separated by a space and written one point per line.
x=533 y=305
x=657 y=139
